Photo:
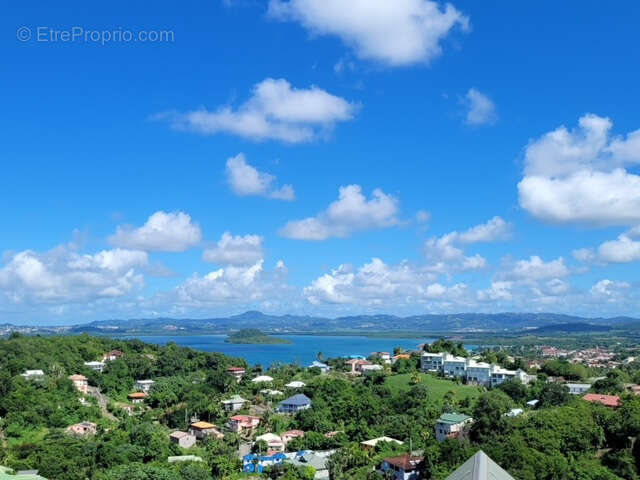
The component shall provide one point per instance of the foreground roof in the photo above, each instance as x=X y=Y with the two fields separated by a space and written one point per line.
x=480 y=467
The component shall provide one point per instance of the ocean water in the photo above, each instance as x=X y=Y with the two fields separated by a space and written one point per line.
x=302 y=350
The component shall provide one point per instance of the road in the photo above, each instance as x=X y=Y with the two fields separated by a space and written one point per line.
x=102 y=402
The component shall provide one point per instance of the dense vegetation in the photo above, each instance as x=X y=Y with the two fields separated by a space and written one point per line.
x=253 y=335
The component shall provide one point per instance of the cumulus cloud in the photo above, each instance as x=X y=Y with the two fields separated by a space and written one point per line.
x=609 y=290
x=235 y=250
x=398 y=33
x=63 y=275
x=245 y=180
x=352 y=212
x=480 y=108
x=162 y=232
x=580 y=176
x=621 y=250
x=537 y=269
x=275 y=111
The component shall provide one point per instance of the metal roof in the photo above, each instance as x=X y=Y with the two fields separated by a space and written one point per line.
x=480 y=467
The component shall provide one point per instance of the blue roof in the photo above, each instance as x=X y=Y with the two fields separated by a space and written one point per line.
x=298 y=399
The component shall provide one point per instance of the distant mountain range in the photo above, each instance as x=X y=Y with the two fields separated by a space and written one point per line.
x=282 y=324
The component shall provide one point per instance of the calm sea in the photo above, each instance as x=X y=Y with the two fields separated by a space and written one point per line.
x=303 y=349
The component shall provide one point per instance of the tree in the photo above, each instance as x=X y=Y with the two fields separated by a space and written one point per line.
x=489 y=418
x=553 y=395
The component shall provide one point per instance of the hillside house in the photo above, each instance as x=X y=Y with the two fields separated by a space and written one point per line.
x=112 y=355
x=371 y=368
x=274 y=442
x=500 y=375
x=80 y=382
x=137 y=397
x=183 y=439
x=371 y=444
x=95 y=366
x=236 y=372
x=291 y=435
x=33 y=375
x=431 y=362
x=450 y=425
x=384 y=356
x=480 y=467
x=612 y=401
x=262 y=379
x=234 y=403
x=253 y=463
x=204 y=430
x=317 y=460
x=478 y=373
x=453 y=366
x=324 y=368
x=354 y=365
x=243 y=423
x=144 y=385
x=295 y=384
x=404 y=467
x=578 y=388
x=295 y=403
x=82 y=429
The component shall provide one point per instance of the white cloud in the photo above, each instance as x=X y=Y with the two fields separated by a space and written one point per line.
x=245 y=180
x=64 y=276
x=422 y=216
x=621 y=250
x=352 y=212
x=610 y=290
x=397 y=33
x=537 y=269
x=579 y=176
x=275 y=111
x=480 y=108
x=496 y=229
x=163 y=232
x=235 y=250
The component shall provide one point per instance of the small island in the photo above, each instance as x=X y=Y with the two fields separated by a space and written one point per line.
x=253 y=335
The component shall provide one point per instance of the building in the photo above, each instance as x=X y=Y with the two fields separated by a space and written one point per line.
x=291 y=435
x=112 y=355
x=324 y=368
x=400 y=356
x=253 y=463
x=274 y=442
x=431 y=362
x=480 y=467
x=33 y=375
x=183 y=439
x=371 y=444
x=236 y=372
x=243 y=423
x=295 y=403
x=80 y=382
x=95 y=366
x=404 y=467
x=371 y=368
x=204 y=430
x=137 y=397
x=612 y=401
x=295 y=384
x=317 y=460
x=270 y=392
x=234 y=403
x=578 y=388
x=127 y=407
x=500 y=375
x=144 y=385
x=524 y=377
x=478 y=373
x=82 y=429
x=453 y=366
x=184 y=458
x=8 y=474
x=355 y=365
x=450 y=425
x=384 y=356
x=262 y=379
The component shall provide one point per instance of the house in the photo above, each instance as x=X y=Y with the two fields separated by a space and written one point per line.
x=404 y=467
x=454 y=366
x=524 y=377
x=318 y=460
x=96 y=366
x=450 y=425
x=144 y=385
x=500 y=375
x=291 y=435
x=262 y=379
x=253 y=463
x=184 y=458
x=274 y=442
x=112 y=355
x=371 y=444
x=384 y=356
x=33 y=375
x=355 y=365
x=324 y=368
x=234 y=403
x=480 y=467
x=578 y=388
x=612 y=401
x=80 y=382
x=204 y=430
x=635 y=389
x=183 y=439
x=137 y=397
x=371 y=368
x=243 y=423
x=401 y=356
x=295 y=403
x=514 y=412
x=273 y=393
x=236 y=372
x=82 y=429
x=295 y=384
x=478 y=373
x=431 y=362
x=127 y=407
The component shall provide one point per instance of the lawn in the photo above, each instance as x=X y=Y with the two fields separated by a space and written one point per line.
x=438 y=387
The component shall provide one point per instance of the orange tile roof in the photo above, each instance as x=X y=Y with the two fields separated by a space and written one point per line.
x=203 y=425
x=607 y=400
x=138 y=395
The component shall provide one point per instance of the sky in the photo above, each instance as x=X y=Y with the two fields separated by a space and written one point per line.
x=318 y=157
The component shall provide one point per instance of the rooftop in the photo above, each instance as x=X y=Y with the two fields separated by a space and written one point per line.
x=203 y=425
x=298 y=399
x=373 y=442
x=480 y=467
x=607 y=400
x=405 y=462
x=453 y=418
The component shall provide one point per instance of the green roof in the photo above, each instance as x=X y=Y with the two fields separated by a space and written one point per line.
x=480 y=467
x=453 y=418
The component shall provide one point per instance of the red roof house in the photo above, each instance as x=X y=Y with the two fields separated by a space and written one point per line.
x=606 y=400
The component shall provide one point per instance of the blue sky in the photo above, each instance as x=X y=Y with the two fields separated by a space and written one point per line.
x=308 y=156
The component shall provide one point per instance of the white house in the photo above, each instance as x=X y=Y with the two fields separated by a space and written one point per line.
x=183 y=439
x=80 y=382
x=295 y=384
x=97 y=366
x=274 y=442
x=500 y=375
x=33 y=374
x=234 y=403
x=478 y=373
x=371 y=368
x=404 y=467
x=449 y=425
x=431 y=362
x=453 y=366
x=371 y=444
x=324 y=368
x=262 y=379
x=144 y=385
x=578 y=388
x=524 y=377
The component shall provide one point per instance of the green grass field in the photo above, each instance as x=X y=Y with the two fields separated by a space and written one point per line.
x=438 y=387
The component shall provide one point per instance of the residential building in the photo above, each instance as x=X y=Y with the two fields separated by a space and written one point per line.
x=295 y=403
x=204 y=430
x=524 y=377
x=291 y=435
x=450 y=425
x=400 y=356
x=578 y=388
x=80 y=382
x=184 y=458
x=33 y=375
x=514 y=412
x=137 y=397
x=82 y=429
x=253 y=463
x=127 y=407
x=478 y=373
x=404 y=467
x=371 y=444
x=144 y=385
x=96 y=366
x=270 y=392
x=384 y=356
x=183 y=439
x=234 y=403
x=236 y=372
x=355 y=365
x=262 y=379
x=431 y=362
x=7 y=473
x=274 y=442
x=295 y=384
x=453 y=366
x=480 y=467
x=612 y=401
x=500 y=375
x=243 y=423
x=371 y=368
x=112 y=355
x=324 y=368
x=317 y=460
